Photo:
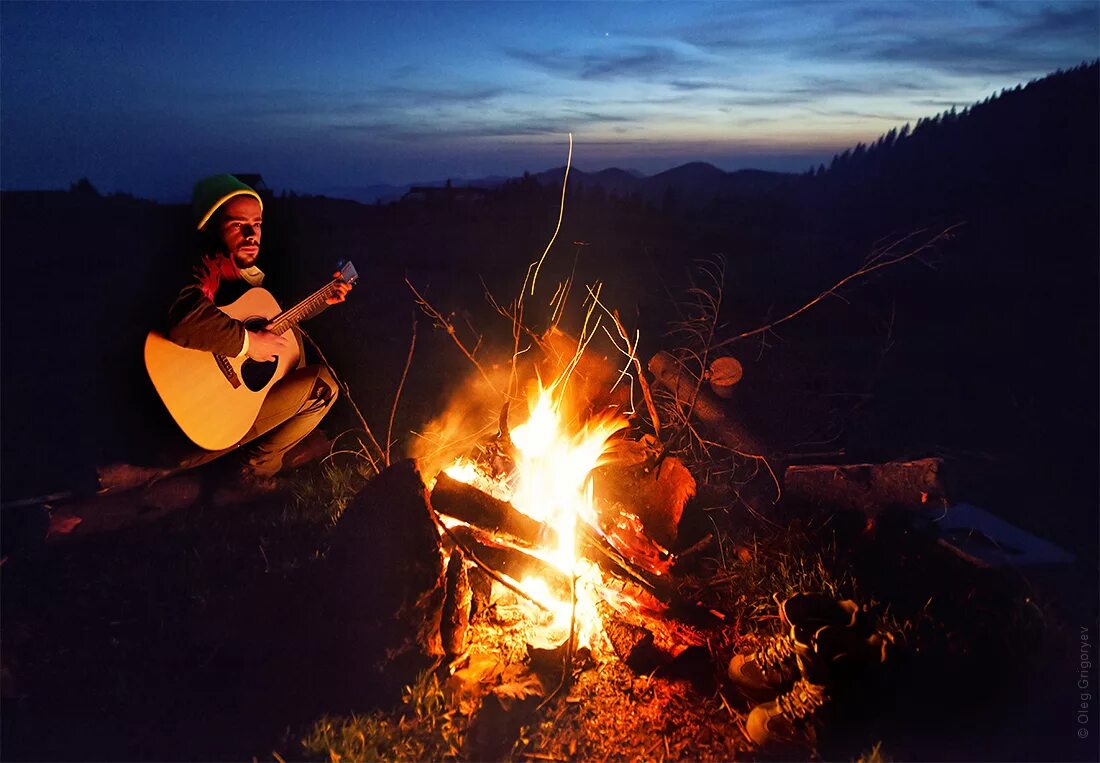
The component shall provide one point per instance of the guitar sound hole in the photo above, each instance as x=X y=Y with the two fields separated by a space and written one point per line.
x=256 y=374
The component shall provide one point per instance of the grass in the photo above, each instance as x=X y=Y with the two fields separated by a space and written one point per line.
x=100 y=634
x=424 y=727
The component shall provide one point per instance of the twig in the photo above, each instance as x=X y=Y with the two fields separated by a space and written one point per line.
x=647 y=395
x=708 y=306
x=400 y=386
x=498 y=577
x=450 y=329
x=350 y=399
x=875 y=262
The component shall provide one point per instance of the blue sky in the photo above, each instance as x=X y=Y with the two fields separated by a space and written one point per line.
x=146 y=97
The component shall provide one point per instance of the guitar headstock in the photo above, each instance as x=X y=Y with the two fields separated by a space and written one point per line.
x=347 y=273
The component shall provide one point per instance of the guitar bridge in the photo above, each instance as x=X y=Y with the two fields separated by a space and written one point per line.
x=227 y=370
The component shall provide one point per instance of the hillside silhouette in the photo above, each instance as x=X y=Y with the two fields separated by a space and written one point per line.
x=985 y=351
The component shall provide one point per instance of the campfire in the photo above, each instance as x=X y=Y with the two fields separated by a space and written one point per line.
x=533 y=508
x=550 y=481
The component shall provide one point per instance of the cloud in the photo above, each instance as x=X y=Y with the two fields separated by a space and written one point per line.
x=958 y=39
x=1007 y=39
x=626 y=62
x=312 y=104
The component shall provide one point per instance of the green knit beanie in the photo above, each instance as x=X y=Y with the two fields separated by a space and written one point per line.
x=210 y=193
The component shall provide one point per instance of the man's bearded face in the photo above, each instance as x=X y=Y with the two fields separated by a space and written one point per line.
x=239 y=229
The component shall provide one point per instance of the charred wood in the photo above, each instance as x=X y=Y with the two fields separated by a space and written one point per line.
x=481 y=590
x=384 y=578
x=870 y=488
x=632 y=643
x=512 y=560
x=461 y=501
x=455 y=621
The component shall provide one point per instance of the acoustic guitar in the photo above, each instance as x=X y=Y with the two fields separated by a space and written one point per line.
x=215 y=398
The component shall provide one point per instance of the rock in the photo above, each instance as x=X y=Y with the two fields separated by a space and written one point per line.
x=384 y=577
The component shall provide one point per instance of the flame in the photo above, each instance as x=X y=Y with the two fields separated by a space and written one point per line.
x=554 y=456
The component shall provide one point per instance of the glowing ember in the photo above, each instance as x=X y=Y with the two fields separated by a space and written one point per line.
x=551 y=484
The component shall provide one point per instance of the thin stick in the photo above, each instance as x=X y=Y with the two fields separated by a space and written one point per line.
x=449 y=327
x=400 y=386
x=486 y=568
x=875 y=262
x=350 y=399
x=647 y=395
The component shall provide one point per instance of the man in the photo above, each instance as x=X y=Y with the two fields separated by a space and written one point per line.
x=229 y=224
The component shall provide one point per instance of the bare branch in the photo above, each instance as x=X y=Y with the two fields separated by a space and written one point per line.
x=400 y=386
x=876 y=261
x=446 y=324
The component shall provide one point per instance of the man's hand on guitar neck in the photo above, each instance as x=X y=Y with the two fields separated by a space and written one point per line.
x=342 y=290
x=263 y=345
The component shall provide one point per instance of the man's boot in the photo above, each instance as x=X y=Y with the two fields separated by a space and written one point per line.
x=774 y=665
x=787 y=721
x=834 y=640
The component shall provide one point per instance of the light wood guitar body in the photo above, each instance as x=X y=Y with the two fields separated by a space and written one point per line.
x=215 y=399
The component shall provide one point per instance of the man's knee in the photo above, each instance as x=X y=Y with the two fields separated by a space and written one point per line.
x=324 y=388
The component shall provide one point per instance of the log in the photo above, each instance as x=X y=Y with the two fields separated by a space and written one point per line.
x=633 y=644
x=708 y=409
x=466 y=502
x=870 y=488
x=455 y=621
x=512 y=560
x=656 y=498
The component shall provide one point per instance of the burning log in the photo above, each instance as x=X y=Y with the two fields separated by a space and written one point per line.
x=511 y=559
x=455 y=621
x=603 y=553
x=481 y=590
x=461 y=501
x=869 y=488
x=658 y=499
x=515 y=530
x=632 y=643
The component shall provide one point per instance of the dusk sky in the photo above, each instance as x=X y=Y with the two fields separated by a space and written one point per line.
x=147 y=97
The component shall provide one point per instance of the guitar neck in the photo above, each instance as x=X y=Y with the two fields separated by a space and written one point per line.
x=312 y=305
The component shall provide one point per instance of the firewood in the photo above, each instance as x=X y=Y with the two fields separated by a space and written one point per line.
x=870 y=488
x=384 y=571
x=632 y=643
x=455 y=621
x=481 y=590
x=461 y=501
x=708 y=410
x=513 y=560
x=480 y=510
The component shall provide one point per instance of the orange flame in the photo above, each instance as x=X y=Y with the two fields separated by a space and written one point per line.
x=552 y=484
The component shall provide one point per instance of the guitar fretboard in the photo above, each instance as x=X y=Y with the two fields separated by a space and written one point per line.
x=307 y=308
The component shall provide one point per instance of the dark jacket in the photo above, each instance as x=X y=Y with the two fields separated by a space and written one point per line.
x=194 y=320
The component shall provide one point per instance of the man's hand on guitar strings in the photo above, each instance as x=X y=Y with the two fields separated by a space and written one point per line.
x=264 y=346
x=342 y=289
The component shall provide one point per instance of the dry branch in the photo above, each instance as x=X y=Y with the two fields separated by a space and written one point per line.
x=445 y=323
x=879 y=259
x=509 y=556
x=671 y=375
